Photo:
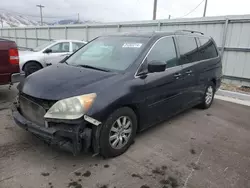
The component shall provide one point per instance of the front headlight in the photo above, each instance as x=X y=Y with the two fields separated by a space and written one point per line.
x=71 y=108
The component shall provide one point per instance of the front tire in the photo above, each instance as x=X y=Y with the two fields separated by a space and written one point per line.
x=208 y=97
x=118 y=132
x=31 y=67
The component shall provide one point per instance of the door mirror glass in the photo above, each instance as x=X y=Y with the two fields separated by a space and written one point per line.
x=47 y=51
x=156 y=66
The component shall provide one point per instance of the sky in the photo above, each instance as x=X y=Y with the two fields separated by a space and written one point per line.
x=123 y=10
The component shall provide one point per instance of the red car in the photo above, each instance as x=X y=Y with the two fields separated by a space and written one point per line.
x=9 y=62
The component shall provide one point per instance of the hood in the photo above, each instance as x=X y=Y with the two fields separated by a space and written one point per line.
x=62 y=81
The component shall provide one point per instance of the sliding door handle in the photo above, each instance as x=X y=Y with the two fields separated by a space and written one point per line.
x=189 y=72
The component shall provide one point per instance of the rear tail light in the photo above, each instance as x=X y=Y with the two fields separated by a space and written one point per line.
x=13 y=56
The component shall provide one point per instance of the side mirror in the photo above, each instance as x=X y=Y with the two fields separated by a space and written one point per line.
x=156 y=66
x=47 y=51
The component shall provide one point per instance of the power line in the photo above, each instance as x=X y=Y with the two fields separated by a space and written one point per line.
x=192 y=9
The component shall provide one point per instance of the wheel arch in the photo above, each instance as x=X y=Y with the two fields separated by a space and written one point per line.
x=135 y=109
x=32 y=61
x=214 y=81
x=95 y=141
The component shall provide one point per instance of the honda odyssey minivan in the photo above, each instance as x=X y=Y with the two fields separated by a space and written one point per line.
x=115 y=86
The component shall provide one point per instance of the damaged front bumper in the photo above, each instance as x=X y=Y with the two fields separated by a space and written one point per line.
x=73 y=137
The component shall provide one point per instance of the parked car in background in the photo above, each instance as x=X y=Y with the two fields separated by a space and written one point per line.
x=9 y=62
x=118 y=85
x=46 y=54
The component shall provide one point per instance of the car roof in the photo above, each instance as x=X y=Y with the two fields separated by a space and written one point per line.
x=80 y=41
x=160 y=33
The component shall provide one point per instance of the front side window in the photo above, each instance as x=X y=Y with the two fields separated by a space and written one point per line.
x=76 y=45
x=164 y=51
x=60 y=47
x=115 y=53
x=188 y=49
x=207 y=49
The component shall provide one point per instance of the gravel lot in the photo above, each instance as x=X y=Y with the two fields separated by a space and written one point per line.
x=194 y=149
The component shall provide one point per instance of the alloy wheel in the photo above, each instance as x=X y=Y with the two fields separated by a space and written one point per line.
x=209 y=95
x=120 y=132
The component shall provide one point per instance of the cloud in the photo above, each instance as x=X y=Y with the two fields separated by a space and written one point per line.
x=124 y=10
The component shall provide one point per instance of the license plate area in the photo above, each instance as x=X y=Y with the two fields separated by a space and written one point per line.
x=32 y=111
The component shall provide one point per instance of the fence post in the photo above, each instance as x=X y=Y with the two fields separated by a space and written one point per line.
x=159 y=26
x=25 y=35
x=65 y=32
x=87 y=33
x=36 y=37
x=15 y=35
x=118 y=28
x=224 y=37
x=49 y=33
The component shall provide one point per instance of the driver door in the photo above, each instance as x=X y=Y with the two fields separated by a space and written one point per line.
x=163 y=90
x=59 y=51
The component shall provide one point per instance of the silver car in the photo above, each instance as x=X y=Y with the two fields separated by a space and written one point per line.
x=47 y=54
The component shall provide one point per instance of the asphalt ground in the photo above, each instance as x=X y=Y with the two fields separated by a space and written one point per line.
x=198 y=148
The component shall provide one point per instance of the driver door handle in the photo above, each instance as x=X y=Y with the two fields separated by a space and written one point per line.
x=177 y=75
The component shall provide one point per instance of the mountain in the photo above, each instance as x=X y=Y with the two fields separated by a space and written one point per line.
x=71 y=21
x=10 y=20
x=65 y=22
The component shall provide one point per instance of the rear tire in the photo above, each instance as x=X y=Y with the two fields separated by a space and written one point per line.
x=208 y=96
x=31 y=67
x=118 y=132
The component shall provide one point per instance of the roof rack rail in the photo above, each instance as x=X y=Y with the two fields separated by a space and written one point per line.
x=191 y=31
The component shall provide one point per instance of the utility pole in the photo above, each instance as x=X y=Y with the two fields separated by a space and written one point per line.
x=205 y=9
x=155 y=9
x=41 y=12
x=78 y=18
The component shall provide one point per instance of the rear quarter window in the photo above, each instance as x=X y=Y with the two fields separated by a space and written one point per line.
x=207 y=49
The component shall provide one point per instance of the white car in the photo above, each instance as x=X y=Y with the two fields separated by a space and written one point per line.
x=47 y=54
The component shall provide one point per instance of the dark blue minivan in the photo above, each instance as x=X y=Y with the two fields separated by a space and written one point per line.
x=102 y=95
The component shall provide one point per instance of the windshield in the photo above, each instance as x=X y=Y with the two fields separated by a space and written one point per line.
x=41 y=47
x=109 y=53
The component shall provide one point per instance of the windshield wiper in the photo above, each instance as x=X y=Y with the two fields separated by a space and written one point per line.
x=91 y=67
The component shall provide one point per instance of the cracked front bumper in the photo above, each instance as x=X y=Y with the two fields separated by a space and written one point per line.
x=73 y=137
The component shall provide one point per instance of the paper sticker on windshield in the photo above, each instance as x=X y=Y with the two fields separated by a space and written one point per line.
x=132 y=45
